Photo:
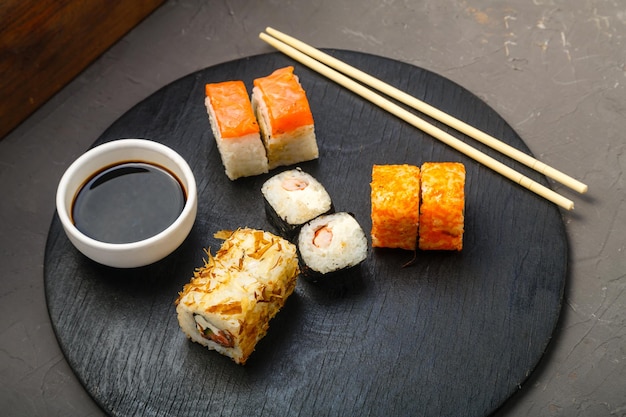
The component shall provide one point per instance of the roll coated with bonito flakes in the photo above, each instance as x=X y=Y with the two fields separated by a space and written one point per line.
x=228 y=304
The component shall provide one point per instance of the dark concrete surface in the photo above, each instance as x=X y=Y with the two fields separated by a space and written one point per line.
x=555 y=70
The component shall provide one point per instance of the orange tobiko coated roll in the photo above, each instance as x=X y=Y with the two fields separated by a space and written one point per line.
x=395 y=199
x=442 y=210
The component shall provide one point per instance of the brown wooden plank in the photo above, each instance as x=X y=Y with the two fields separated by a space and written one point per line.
x=44 y=44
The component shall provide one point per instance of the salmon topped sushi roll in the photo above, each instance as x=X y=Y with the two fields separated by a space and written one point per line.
x=441 y=222
x=282 y=109
x=236 y=130
x=395 y=199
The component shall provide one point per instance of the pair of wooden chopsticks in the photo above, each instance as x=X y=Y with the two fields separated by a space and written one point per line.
x=335 y=69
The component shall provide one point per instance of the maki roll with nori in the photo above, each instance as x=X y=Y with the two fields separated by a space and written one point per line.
x=292 y=198
x=331 y=244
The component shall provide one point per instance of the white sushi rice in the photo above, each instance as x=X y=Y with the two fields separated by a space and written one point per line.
x=347 y=248
x=296 y=207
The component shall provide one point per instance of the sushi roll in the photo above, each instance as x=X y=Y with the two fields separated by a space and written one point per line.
x=395 y=199
x=282 y=109
x=292 y=198
x=229 y=302
x=441 y=220
x=330 y=244
x=236 y=130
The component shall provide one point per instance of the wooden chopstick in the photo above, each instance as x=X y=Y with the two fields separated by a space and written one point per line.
x=419 y=123
x=430 y=111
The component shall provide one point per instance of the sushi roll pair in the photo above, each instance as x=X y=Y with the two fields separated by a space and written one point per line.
x=273 y=128
x=229 y=302
x=301 y=209
x=418 y=208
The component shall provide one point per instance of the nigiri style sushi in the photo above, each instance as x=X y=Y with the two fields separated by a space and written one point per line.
x=284 y=116
x=236 y=129
x=442 y=218
x=228 y=304
x=395 y=199
x=331 y=244
x=292 y=198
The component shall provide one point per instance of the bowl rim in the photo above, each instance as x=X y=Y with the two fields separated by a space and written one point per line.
x=71 y=172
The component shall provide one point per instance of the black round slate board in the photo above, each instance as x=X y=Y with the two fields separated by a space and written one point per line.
x=455 y=334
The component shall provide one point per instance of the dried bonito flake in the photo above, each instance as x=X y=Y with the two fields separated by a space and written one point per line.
x=229 y=302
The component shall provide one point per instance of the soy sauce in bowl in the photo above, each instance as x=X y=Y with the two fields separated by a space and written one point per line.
x=128 y=202
x=135 y=191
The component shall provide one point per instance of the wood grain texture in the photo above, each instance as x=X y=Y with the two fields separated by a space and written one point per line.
x=44 y=44
x=455 y=334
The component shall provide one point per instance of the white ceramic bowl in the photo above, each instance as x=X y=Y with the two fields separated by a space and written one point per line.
x=143 y=252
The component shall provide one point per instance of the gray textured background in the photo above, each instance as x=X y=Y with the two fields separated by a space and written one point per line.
x=555 y=70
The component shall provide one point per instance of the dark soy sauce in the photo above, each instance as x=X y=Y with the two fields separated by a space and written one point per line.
x=128 y=202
